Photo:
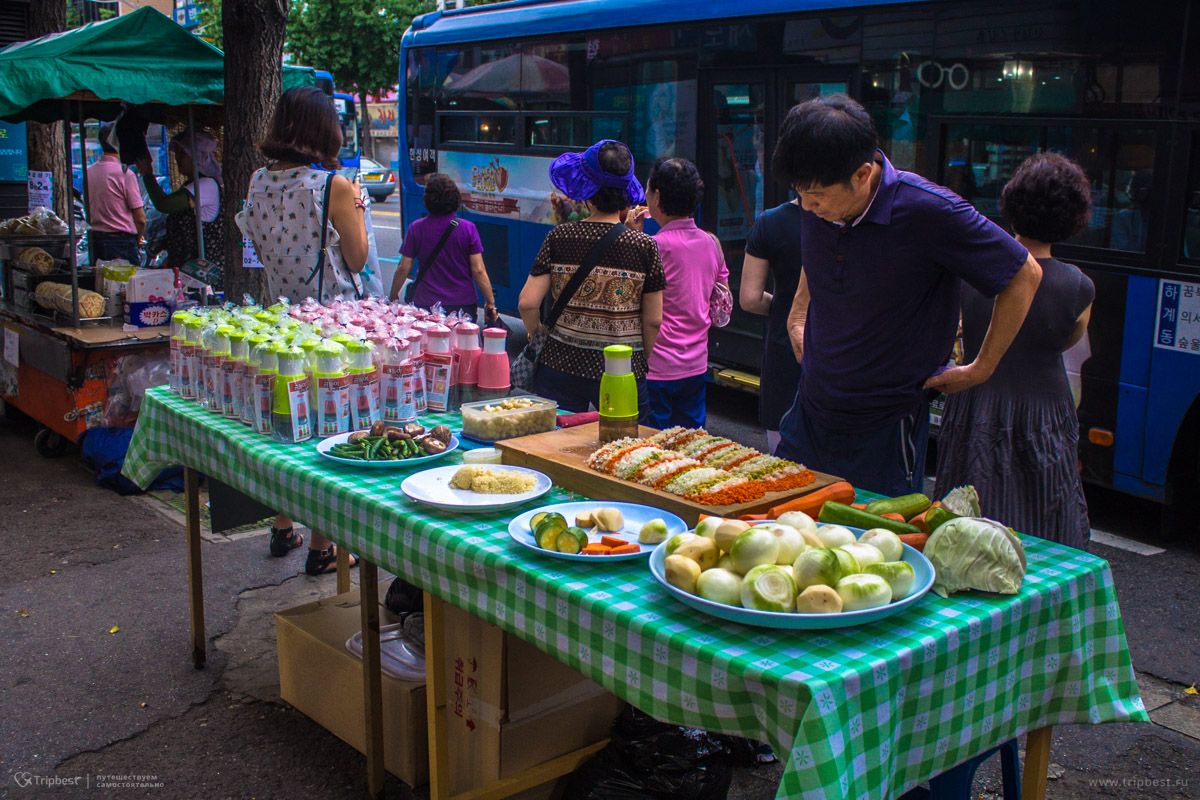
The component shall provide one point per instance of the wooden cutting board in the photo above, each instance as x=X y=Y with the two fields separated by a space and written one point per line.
x=562 y=455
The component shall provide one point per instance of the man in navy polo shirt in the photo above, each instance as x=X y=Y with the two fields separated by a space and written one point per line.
x=874 y=320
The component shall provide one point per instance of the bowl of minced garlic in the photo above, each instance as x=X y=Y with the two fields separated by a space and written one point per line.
x=483 y=480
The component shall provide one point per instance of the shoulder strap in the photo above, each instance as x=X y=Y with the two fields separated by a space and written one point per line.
x=426 y=263
x=319 y=269
x=594 y=256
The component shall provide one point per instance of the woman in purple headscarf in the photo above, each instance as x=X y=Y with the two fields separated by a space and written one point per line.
x=620 y=301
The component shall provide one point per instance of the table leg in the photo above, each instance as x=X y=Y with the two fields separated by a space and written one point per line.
x=343 y=570
x=435 y=698
x=191 y=494
x=1037 y=762
x=372 y=675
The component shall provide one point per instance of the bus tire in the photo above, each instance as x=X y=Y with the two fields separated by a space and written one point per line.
x=1180 y=519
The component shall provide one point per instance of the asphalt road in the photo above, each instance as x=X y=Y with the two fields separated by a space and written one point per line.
x=77 y=700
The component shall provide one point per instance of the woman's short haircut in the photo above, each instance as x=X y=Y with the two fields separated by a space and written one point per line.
x=615 y=159
x=441 y=194
x=1047 y=199
x=823 y=142
x=304 y=129
x=678 y=184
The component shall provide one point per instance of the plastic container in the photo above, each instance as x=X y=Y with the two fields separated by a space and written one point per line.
x=417 y=356
x=254 y=344
x=178 y=329
x=491 y=421
x=364 y=385
x=464 y=376
x=618 y=404
x=483 y=455
x=493 y=365
x=333 y=390
x=263 y=400
x=395 y=383
x=290 y=416
x=233 y=374
x=438 y=365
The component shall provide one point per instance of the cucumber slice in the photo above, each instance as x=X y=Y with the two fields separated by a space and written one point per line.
x=572 y=540
x=547 y=534
x=536 y=519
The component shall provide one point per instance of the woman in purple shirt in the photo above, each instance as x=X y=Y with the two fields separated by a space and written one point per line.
x=458 y=268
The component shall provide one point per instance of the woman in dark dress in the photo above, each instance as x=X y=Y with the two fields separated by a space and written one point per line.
x=1016 y=436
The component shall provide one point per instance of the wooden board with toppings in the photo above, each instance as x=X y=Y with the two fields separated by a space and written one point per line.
x=562 y=454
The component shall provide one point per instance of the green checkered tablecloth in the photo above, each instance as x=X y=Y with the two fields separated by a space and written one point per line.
x=865 y=712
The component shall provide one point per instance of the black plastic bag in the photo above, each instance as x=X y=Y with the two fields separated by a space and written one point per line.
x=651 y=760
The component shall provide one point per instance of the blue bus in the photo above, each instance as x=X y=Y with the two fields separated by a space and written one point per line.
x=347 y=108
x=961 y=93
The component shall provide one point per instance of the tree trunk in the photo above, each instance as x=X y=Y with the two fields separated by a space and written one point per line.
x=254 y=33
x=45 y=142
x=366 y=143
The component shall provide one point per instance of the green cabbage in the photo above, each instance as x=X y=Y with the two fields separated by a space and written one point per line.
x=962 y=501
x=975 y=553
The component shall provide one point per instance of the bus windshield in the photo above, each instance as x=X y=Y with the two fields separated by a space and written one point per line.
x=348 y=118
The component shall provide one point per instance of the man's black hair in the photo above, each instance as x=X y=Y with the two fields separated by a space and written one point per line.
x=105 y=132
x=823 y=142
x=615 y=159
x=678 y=184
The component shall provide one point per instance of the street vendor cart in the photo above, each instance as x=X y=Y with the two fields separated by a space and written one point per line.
x=54 y=358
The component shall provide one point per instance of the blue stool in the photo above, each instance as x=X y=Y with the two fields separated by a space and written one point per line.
x=956 y=783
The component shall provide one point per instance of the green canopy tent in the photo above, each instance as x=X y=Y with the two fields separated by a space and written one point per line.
x=142 y=59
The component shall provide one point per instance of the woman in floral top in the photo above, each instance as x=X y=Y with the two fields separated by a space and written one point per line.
x=282 y=216
x=621 y=300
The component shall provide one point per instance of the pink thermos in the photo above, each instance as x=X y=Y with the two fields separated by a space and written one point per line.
x=493 y=365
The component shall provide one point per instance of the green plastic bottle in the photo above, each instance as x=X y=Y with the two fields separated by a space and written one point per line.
x=233 y=373
x=290 y=420
x=266 y=355
x=618 y=394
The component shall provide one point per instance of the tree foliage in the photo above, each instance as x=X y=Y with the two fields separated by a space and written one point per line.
x=357 y=40
x=211 y=29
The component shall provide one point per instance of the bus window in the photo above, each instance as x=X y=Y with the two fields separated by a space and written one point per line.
x=480 y=77
x=664 y=111
x=573 y=131
x=421 y=73
x=1191 y=222
x=739 y=115
x=477 y=128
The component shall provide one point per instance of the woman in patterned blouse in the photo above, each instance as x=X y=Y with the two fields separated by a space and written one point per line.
x=621 y=300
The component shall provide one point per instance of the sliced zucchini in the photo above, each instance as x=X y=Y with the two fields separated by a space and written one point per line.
x=572 y=540
x=547 y=534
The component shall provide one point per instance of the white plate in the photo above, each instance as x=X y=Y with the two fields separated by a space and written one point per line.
x=790 y=620
x=635 y=517
x=432 y=487
x=325 y=445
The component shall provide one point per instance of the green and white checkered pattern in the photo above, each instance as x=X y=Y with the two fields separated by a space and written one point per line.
x=864 y=712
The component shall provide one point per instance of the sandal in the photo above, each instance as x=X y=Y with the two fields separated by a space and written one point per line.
x=284 y=540
x=321 y=561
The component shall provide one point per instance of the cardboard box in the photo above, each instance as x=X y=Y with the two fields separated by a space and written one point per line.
x=320 y=678
x=510 y=706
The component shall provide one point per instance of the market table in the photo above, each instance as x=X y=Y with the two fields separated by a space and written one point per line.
x=865 y=712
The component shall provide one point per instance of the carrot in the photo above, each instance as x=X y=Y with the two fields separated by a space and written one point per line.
x=753 y=517
x=859 y=506
x=895 y=516
x=919 y=519
x=596 y=550
x=915 y=540
x=612 y=541
x=841 y=492
x=625 y=548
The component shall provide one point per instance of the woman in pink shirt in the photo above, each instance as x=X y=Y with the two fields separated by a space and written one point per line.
x=693 y=264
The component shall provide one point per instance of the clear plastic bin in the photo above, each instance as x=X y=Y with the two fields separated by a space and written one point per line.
x=489 y=421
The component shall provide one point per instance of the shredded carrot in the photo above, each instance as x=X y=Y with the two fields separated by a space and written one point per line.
x=794 y=481
x=731 y=495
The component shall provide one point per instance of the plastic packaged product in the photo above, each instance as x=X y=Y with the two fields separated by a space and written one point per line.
x=417 y=356
x=308 y=343
x=364 y=386
x=438 y=361
x=233 y=374
x=290 y=416
x=217 y=350
x=506 y=418
x=493 y=365
x=203 y=359
x=483 y=455
x=178 y=325
x=333 y=390
x=618 y=395
x=254 y=343
x=464 y=376
x=189 y=360
x=263 y=401
x=397 y=405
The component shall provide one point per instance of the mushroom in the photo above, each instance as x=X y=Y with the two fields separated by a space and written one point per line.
x=433 y=446
x=396 y=435
x=357 y=437
x=414 y=429
x=441 y=433
x=377 y=428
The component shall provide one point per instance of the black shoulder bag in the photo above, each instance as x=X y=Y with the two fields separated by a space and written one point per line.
x=319 y=270
x=426 y=263
x=524 y=366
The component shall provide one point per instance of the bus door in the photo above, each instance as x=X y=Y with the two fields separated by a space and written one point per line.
x=744 y=109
